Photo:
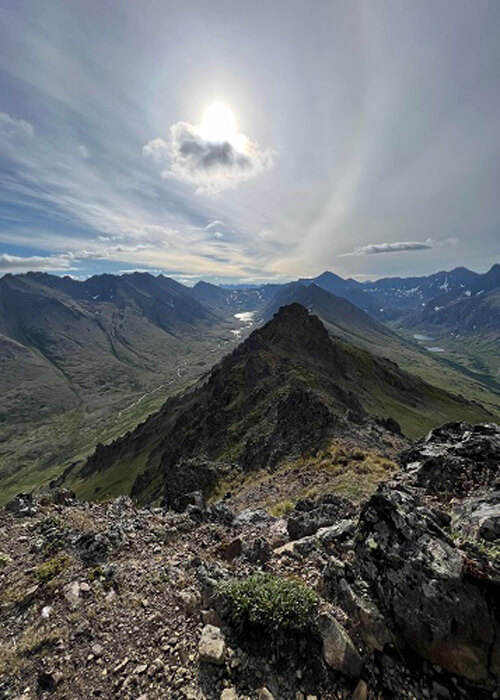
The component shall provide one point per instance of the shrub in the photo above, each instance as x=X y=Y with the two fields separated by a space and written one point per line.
x=269 y=601
x=51 y=568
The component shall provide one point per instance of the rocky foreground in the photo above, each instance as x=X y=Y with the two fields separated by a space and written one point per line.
x=395 y=597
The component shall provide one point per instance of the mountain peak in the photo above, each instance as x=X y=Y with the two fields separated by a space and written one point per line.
x=295 y=332
x=295 y=320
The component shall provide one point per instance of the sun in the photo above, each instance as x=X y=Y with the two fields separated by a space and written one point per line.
x=218 y=123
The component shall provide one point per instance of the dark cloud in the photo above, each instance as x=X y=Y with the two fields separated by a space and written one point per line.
x=210 y=165
x=376 y=248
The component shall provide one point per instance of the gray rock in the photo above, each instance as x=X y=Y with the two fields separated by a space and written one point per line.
x=257 y=550
x=417 y=574
x=479 y=517
x=338 y=532
x=339 y=652
x=309 y=516
x=21 y=505
x=229 y=694
x=264 y=694
x=212 y=646
x=360 y=691
x=252 y=516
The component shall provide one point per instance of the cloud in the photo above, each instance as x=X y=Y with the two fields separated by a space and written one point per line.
x=403 y=246
x=83 y=151
x=49 y=263
x=14 y=127
x=210 y=165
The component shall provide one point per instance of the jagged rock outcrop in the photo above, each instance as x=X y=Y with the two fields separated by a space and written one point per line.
x=420 y=580
x=455 y=459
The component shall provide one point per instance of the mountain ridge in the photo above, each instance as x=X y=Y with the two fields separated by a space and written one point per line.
x=287 y=387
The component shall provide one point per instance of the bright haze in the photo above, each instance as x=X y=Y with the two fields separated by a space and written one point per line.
x=237 y=141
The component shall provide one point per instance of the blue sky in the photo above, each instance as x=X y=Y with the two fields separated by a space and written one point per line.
x=367 y=138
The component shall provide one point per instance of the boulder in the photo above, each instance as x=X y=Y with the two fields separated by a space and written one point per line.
x=418 y=577
x=21 y=505
x=309 y=516
x=257 y=550
x=360 y=691
x=339 y=652
x=233 y=549
x=456 y=458
x=479 y=517
x=229 y=694
x=220 y=513
x=212 y=646
x=253 y=516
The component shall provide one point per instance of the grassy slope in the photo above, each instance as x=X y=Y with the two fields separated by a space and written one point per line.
x=34 y=454
x=469 y=366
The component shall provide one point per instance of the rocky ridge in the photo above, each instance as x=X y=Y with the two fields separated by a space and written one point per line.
x=113 y=600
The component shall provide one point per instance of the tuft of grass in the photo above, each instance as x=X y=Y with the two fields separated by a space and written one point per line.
x=271 y=602
x=51 y=568
x=4 y=560
x=280 y=510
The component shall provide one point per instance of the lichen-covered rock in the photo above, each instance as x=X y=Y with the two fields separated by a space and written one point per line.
x=478 y=517
x=418 y=576
x=309 y=516
x=456 y=458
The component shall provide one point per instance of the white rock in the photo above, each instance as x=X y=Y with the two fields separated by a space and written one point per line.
x=72 y=593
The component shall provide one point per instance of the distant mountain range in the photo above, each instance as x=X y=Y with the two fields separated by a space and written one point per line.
x=82 y=362
x=285 y=389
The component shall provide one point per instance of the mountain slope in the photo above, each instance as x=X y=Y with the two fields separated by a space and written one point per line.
x=340 y=317
x=284 y=390
x=83 y=361
x=227 y=302
x=399 y=297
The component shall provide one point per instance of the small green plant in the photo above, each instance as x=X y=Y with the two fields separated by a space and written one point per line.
x=51 y=568
x=275 y=603
x=4 y=559
x=279 y=510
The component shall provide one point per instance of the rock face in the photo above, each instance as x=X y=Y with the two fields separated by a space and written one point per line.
x=419 y=578
x=456 y=458
x=440 y=598
x=478 y=517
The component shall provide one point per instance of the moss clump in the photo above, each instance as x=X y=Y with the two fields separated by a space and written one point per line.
x=275 y=603
x=51 y=568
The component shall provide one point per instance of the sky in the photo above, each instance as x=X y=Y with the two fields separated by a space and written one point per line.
x=249 y=141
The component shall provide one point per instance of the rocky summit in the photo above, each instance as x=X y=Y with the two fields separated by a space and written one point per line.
x=394 y=594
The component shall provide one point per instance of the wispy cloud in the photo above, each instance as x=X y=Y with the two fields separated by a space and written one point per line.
x=374 y=146
x=50 y=263
x=83 y=151
x=399 y=247
x=10 y=126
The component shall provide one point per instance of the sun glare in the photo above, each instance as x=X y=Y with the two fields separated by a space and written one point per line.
x=218 y=123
